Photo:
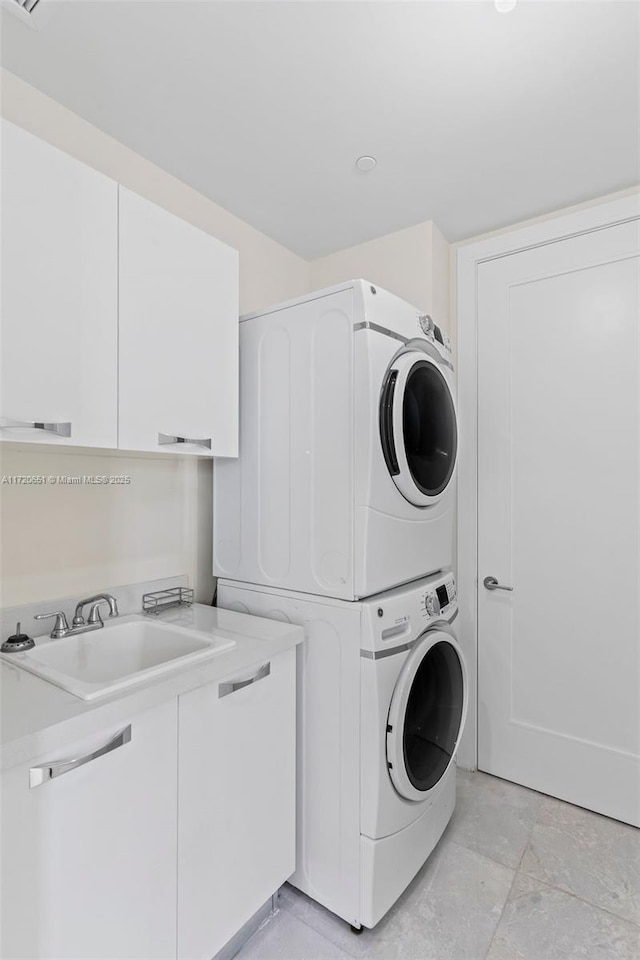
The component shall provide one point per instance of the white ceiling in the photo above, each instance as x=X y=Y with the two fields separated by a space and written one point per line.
x=477 y=118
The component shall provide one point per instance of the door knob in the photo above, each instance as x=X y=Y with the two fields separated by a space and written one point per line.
x=491 y=583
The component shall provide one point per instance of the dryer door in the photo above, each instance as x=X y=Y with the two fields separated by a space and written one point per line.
x=418 y=428
x=427 y=714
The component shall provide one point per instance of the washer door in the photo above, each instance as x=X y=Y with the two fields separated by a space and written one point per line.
x=418 y=428
x=427 y=714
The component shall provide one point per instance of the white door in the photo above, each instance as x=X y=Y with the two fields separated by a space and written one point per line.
x=178 y=347
x=59 y=335
x=558 y=380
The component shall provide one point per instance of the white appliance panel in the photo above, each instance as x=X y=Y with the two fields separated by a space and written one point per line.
x=359 y=842
x=311 y=505
x=282 y=512
x=388 y=865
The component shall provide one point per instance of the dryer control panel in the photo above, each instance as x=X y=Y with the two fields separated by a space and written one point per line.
x=433 y=332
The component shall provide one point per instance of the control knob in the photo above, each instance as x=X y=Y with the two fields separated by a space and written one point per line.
x=432 y=604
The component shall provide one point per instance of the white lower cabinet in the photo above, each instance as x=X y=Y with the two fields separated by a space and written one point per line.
x=236 y=804
x=88 y=857
x=158 y=836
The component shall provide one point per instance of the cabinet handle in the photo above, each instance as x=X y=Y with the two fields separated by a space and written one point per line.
x=166 y=438
x=49 y=771
x=224 y=689
x=62 y=429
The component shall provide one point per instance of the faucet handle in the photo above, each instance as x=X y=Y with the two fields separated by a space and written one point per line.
x=94 y=612
x=61 y=627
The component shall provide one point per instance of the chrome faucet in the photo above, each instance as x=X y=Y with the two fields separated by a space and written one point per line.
x=94 y=622
x=94 y=615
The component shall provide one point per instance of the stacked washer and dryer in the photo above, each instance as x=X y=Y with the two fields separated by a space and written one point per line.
x=339 y=516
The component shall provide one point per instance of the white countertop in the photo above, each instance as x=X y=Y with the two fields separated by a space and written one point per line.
x=36 y=717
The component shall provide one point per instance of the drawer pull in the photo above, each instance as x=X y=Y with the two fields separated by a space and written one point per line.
x=62 y=429
x=224 y=689
x=166 y=438
x=49 y=771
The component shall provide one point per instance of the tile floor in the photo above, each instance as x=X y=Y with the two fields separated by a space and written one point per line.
x=516 y=876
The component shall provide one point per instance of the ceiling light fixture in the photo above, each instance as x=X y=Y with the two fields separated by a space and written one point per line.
x=505 y=6
x=366 y=163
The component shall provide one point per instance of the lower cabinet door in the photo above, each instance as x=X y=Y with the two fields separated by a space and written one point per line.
x=236 y=804
x=89 y=855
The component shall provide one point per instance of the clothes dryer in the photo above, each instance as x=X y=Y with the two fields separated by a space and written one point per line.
x=345 y=483
x=382 y=701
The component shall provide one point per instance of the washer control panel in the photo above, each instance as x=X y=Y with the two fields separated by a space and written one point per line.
x=398 y=617
x=437 y=600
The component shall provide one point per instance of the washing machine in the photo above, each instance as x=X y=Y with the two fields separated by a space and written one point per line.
x=382 y=701
x=345 y=483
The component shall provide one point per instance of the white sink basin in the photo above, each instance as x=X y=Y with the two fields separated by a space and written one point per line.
x=123 y=652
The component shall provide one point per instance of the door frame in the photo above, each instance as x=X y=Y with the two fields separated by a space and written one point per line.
x=606 y=212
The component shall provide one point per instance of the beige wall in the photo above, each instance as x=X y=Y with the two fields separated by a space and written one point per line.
x=412 y=263
x=66 y=540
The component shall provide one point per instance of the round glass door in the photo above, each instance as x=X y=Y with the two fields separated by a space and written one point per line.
x=426 y=715
x=418 y=428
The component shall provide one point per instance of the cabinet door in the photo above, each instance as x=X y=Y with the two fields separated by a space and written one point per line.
x=58 y=370
x=178 y=334
x=89 y=858
x=236 y=824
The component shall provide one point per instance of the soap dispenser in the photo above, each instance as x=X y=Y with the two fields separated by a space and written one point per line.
x=17 y=641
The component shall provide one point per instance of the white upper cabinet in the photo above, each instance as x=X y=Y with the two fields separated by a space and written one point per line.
x=178 y=335
x=119 y=327
x=58 y=347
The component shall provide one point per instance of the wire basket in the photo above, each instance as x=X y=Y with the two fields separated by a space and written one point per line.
x=160 y=600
